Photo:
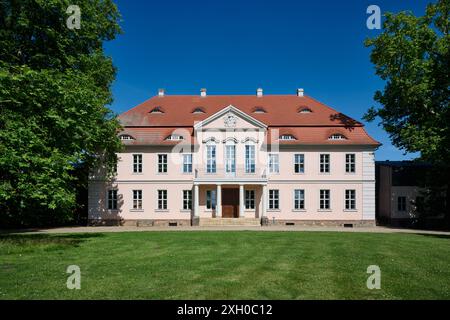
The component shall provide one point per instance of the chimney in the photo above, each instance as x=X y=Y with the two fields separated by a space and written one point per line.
x=203 y=92
x=160 y=92
x=259 y=92
x=300 y=92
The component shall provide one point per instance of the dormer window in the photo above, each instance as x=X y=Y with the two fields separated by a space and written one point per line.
x=287 y=137
x=304 y=110
x=259 y=110
x=126 y=137
x=175 y=137
x=198 y=110
x=337 y=136
x=157 y=110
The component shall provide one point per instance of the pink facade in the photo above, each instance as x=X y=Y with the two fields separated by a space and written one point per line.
x=227 y=168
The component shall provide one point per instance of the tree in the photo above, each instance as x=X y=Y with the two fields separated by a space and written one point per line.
x=412 y=56
x=54 y=89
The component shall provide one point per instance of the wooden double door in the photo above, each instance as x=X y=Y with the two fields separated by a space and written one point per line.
x=230 y=203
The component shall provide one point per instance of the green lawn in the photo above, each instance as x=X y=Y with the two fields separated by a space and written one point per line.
x=225 y=265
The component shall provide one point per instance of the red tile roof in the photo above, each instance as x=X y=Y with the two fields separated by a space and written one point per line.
x=282 y=112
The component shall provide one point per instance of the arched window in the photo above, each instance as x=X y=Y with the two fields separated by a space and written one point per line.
x=304 y=110
x=259 y=110
x=287 y=137
x=175 y=137
x=157 y=110
x=126 y=137
x=337 y=136
x=198 y=110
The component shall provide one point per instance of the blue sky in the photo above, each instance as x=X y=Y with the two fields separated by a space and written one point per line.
x=236 y=46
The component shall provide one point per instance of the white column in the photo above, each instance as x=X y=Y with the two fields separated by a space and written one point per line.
x=196 y=211
x=241 y=201
x=219 y=202
x=264 y=201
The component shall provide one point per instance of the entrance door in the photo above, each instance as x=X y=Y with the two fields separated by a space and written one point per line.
x=230 y=203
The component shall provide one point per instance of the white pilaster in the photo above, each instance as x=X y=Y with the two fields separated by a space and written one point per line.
x=241 y=201
x=219 y=202
x=196 y=194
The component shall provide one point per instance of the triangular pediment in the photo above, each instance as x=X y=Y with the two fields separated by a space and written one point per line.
x=230 y=118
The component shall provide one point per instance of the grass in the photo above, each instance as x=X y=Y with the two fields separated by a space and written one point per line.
x=225 y=265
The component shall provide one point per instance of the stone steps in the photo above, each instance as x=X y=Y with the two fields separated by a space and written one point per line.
x=207 y=222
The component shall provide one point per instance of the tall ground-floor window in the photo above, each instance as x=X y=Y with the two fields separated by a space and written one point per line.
x=274 y=199
x=299 y=199
x=112 y=199
x=210 y=199
x=350 y=199
x=137 y=199
x=401 y=203
x=249 y=199
x=162 y=199
x=187 y=199
x=324 y=199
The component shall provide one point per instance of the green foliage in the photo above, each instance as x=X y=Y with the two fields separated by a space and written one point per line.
x=412 y=56
x=54 y=123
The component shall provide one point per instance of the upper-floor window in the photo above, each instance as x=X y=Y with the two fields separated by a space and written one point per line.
x=249 y=158
x=211 y=199
x=259 y=110
x=350 y=199
x=162 y=163
x=350 y=163
x=112 y=199
x=401 y=203
x=137 y=163
x=157 y=110
x=299 y=163
x=249 y=199
x=337 y=136
x=137 y=199
x=175 y=137
x=187 y=199
x=230 y=158
x=198 y=110
x=187 y=163
x=274 y=163
x=162 y=199
x=304 y=110
x=324 y=163
x=299 y=199
x=324 y=199
x=126 y=137
x=274 y=199
x=210 y=158
x=287 y=137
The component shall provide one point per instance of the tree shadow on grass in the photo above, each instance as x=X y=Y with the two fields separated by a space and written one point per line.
x=440 y=236
x=73 y=239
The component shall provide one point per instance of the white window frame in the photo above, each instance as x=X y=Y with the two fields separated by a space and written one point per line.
x=324 y=163
x=187 y=162
x=162 y=199
x=211 y=197
x=137 y=199
x=300 y=163
x=287 y=137
x=187 y=199
x=111 y=199
x=350 y=199
x=249 y=199
x=230 y=158
x=211 y=158
x=350 y=163
x=137 y=163
x=274 y=199
x=274 y=166
x=324 y=199
x=250 y=156
x=162 y=162
x=299 y=202
x=403 y=207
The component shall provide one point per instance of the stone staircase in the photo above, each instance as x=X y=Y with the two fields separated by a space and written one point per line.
x=248 y=222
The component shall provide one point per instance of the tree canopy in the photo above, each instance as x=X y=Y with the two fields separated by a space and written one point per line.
x=54 y=91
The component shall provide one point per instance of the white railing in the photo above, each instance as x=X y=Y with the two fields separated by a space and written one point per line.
x=223 y=173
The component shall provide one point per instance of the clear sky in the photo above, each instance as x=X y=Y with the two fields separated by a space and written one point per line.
x=236 y=46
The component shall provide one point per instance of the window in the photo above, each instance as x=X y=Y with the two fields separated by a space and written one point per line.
x=274 y=164
x=198 y=110
x=299 y=163
x=126 y=137
x=249 y=159
x=162 y=163
x=187 y=163
x=299 y=199
x=112 y=199
x=157 y=110
x=174 y=137
x=137 y=163
x=350 y=199
x=337 y=136
x=211 y=199
x=210 y=159
x=324 y=163
x=230 y=158
x=259 y=110
x=350 y=163
x=304 y=110
x=274 y=202
x=187 y=199
x=162 y=199
x=249 y=199
x=324 y=199
x=137 y=199
x=287 y=137
x=401 y=203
